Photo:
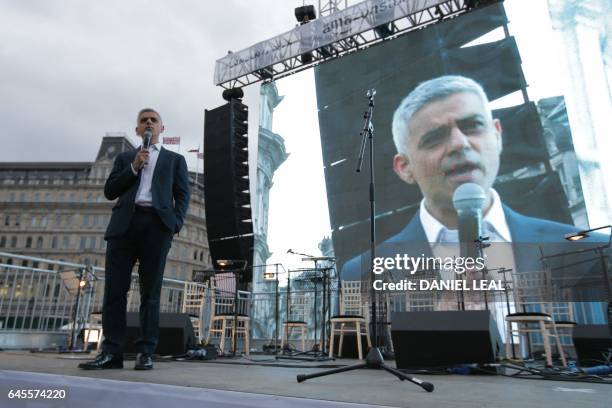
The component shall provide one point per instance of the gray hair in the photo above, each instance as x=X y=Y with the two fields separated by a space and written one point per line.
x=427 y=92
x=145 y=110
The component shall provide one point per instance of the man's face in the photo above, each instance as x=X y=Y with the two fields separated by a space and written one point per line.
x=149 y=121
x=452 y=141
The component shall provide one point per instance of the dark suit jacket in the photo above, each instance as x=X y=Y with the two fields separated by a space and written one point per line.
x=170 y=189
x=531 y=237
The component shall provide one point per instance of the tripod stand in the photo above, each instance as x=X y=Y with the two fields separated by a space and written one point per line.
x=374 y=359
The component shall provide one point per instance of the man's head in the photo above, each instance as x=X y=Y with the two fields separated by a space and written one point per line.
x=445 y=136
x=149 y=119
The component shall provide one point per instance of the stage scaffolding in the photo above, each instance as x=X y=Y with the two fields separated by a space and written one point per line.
x=281 y=51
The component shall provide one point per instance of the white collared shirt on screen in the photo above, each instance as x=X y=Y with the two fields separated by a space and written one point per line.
x=497 y=256
x=144 y=196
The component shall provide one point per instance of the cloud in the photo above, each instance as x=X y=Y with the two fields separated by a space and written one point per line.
x=74 y=70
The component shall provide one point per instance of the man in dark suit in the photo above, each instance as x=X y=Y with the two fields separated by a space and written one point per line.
x=152 y=187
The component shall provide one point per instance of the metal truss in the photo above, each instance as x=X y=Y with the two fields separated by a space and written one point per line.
x=327 y=7
x=394 y=29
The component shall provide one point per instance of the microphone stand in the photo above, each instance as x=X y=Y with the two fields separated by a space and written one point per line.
x=374 y=358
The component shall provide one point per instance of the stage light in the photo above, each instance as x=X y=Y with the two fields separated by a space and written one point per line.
x=384 y=30
x=233 y=93
x=304 y=14
x=576 y=236
x=224 y=263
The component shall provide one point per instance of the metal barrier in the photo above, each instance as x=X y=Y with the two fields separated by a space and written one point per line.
x=35 y=301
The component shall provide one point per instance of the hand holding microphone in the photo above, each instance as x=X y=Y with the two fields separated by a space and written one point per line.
x=142 y=157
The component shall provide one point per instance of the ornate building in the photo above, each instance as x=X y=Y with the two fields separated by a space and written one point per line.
x=583 y=30
x=57 y=210
x=270 y=155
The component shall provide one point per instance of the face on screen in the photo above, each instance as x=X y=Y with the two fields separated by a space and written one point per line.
x=451 y=141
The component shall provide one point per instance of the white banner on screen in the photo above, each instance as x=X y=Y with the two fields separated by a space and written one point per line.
x=353 y=20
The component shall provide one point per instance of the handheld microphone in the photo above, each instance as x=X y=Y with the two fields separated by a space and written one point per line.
x=146 y=139
x=469 y=200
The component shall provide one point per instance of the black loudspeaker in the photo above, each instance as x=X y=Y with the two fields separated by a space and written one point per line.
x=226 y=183
x=175 y=333
x=444 y=338
x=592 y=342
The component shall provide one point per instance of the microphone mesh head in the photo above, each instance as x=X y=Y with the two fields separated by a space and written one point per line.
x=469 y=196
x=146 y=141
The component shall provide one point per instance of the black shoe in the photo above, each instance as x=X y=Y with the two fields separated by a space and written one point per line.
x=144 y=361
x=104 y=361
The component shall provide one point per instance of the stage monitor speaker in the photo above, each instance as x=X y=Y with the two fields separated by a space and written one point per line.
x=226 y=183
x=592 y=343
x=444 y=338
x=175 y=333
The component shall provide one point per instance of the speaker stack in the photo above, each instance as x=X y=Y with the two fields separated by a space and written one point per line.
x=226 y=183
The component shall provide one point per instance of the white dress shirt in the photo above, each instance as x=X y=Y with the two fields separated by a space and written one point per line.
x=144 y=196
x=443 y=244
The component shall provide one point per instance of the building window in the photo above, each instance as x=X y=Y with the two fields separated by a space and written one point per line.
x=18 y=220
x=83 y=243
x=195 y=255
x=39 y=243
x=33 y=221
x=28 y=242
x=2 y=241
x=24 y=262
x=92 y=242
x=96 y=220
x=66 y=242
x=58 y=220
x=54 y=242
x=43 y=221
x=7 y=220
x=13 y=241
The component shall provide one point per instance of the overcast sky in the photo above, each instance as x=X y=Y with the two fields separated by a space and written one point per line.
x=73 y=70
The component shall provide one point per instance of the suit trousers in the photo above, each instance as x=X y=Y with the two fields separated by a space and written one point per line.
x=147 y=241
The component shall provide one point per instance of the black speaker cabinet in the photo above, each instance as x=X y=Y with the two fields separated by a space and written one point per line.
x=175 y=333
x=444 y=338
x=592 y=342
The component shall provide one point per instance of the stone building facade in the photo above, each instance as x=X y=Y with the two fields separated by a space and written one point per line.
x=57 y=210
